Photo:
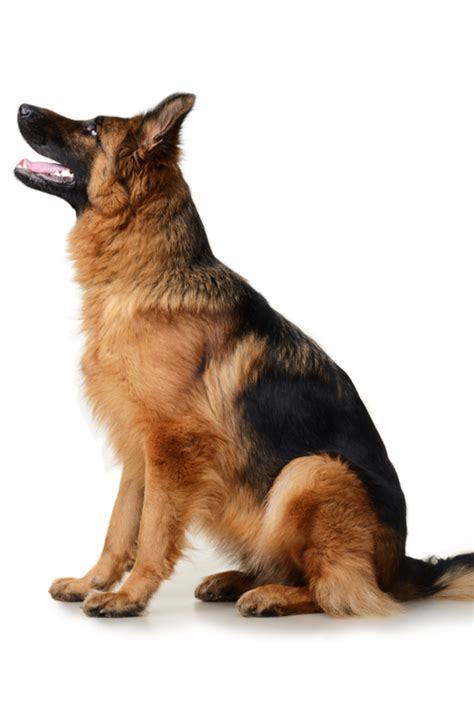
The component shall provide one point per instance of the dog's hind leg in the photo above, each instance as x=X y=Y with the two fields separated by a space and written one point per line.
x=319 y=519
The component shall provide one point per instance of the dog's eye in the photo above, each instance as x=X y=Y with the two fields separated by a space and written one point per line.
x=91 y=129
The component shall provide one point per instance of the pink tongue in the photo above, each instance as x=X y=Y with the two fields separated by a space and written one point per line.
x=40 y=167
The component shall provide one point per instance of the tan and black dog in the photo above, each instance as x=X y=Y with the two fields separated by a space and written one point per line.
x=223 y=414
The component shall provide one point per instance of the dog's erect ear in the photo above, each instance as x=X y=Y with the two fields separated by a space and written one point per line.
x=161 y=125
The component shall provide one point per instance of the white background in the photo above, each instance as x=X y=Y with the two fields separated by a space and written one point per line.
x=331 y=155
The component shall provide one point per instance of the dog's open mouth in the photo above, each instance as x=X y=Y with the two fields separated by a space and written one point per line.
x=51 y=172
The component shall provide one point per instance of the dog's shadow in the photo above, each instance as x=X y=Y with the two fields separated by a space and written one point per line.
x=175 y=611
x=415 y=616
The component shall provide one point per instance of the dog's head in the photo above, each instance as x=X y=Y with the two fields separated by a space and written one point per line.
x=105 y=162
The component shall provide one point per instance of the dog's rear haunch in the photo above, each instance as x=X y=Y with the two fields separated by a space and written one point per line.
x=225 y=415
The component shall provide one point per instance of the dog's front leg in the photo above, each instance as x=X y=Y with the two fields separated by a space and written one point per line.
x=167 y=507
x=120 y=543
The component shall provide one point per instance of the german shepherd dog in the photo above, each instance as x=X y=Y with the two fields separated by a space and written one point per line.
x=224 y=415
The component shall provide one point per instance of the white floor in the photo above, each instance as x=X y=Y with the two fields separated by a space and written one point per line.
x=189 y=653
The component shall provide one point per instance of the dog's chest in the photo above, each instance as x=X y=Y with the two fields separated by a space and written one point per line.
x=138 y=363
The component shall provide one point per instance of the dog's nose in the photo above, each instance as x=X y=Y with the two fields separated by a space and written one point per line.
x=25 y=111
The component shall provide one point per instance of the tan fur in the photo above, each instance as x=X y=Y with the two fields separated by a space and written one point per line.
x=320 y=520
x=277 y=600
x=458 y=584
x=145 y=343
x=120 y=544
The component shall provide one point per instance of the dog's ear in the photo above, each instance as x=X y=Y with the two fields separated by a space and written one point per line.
x=160 y=127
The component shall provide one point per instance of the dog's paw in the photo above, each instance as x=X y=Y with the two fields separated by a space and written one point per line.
x=256 y=603
x=213 y=590
x=112 y=605
x=70 y=589
x=223 y=587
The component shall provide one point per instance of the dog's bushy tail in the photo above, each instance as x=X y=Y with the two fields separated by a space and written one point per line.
x=450 y=578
